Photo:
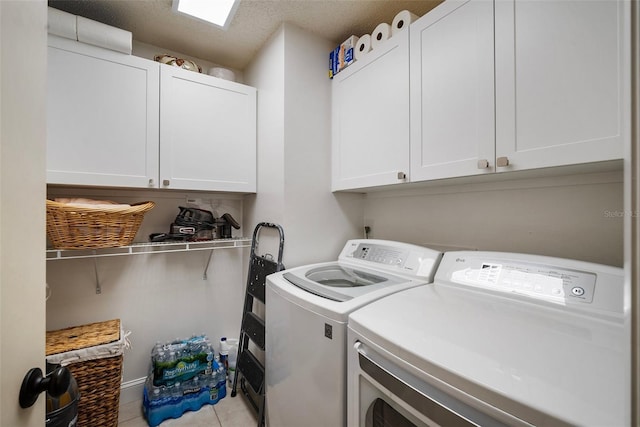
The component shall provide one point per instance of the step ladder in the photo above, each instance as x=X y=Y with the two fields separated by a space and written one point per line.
x=248 y=367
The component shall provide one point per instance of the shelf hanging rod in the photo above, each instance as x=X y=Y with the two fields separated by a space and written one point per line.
x=95 y=269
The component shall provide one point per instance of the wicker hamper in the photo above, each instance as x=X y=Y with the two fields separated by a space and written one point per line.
x=87 y=227
x=93 y=354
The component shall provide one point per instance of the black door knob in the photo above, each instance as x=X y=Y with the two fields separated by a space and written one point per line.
x=56 y=383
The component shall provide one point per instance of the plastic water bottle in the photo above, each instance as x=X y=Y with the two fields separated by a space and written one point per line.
x=158 y=367
x=231 y=371
x=224 y=355
x=165 y=395
x=156 y=349
x=177 y=393
x=212 y=385
x=210 y=357
x=221 y=382
x=155 y=395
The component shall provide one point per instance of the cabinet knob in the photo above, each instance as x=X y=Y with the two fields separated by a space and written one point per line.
x=483 y=164
x=402 y=175
x=166 y=182
x=150 y=182
x=502 y=162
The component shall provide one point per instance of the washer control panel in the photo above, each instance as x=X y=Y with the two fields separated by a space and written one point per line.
x=380 y=254
x=398 y=257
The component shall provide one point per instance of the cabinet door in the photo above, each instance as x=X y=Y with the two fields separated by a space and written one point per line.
x=562 y=81
x=207 y=132
x=370 y=118
x=452 y=102
x=102 y=117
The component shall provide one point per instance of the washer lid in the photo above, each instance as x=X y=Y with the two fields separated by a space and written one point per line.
x=339 y=282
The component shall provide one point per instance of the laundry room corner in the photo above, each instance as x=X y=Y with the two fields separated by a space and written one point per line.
x=294 y=149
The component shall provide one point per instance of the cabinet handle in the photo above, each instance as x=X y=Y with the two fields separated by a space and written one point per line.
x=483 y=164
x=502 y=162
x=166 y=182
x=402 y=175
x=150 y=182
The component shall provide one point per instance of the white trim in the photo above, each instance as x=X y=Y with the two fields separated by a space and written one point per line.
x=518 y=180
x=131 y=391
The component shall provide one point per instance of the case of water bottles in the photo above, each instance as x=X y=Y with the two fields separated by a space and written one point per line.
x=184 y=375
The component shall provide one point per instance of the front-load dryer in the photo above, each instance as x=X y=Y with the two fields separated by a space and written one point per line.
x=307 y=309
x=498 y=339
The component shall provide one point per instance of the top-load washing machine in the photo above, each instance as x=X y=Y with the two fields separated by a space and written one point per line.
x=498 y=339
x=306 y=317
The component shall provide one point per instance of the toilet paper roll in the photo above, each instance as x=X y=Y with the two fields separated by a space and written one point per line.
x=380 y=34
x=61 y=24
x=363 y=46
x=402 y=21
x=222 y=73
x=106 y=36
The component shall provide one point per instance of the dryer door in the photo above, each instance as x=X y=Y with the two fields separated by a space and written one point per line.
x=380 y=413
x=382 y=393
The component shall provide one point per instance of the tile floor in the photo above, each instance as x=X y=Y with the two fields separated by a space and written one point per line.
x=228 y=412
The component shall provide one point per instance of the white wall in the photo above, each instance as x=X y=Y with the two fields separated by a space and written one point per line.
x=266 y=74
x=294 y=149
x=312 y=212
x=575 y=216
x=157 y=296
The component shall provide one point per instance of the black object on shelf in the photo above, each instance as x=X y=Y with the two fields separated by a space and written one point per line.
x=194 y=224
x=224 y=224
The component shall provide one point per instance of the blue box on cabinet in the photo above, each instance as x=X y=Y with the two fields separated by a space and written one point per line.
x=342 y=56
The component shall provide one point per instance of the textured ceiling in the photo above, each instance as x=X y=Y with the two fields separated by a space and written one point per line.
x=153 y=22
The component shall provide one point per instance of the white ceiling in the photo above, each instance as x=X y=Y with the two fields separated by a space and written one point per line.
x=154 y=23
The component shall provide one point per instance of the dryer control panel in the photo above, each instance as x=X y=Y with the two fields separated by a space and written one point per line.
x=567 y=282
x=529 y=279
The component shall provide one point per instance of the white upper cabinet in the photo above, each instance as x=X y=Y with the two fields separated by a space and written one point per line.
x=207 y=132
x=562 y=82
x=452 y=102
x=494 y=87
x=117 y=120
x=102 y=117
x=370 y=118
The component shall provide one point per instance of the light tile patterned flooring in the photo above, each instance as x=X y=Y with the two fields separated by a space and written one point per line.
x=228 y=412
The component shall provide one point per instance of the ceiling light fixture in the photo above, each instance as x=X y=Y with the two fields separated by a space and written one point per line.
x=216 y=12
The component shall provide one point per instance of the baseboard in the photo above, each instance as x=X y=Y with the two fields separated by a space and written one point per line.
x=130 y=391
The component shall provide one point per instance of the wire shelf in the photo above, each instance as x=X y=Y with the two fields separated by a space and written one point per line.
x=149 y=248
